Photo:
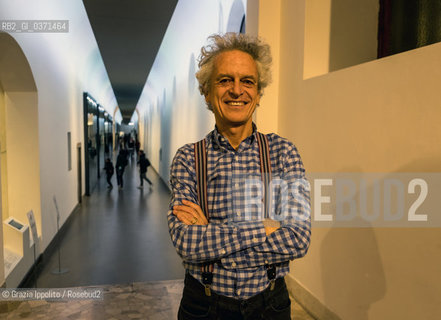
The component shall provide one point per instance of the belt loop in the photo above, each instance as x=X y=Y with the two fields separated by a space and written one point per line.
x=207 y=278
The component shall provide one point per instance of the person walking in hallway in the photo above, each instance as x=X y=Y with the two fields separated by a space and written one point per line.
x=121 y=162
x=235 y=237
x=108 y=167
x=143 y=163
x=137 y=146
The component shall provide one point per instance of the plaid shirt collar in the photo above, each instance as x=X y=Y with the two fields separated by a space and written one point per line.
x=220 y=142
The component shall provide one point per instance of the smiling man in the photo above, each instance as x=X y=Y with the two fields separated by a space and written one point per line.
x=233 y=95
x=236 y=233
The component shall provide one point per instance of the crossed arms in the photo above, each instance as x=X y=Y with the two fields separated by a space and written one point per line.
x=236 y=245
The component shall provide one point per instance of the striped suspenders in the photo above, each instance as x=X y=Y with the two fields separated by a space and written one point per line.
x=265 y=169
x=200 y=156
x=200 y=153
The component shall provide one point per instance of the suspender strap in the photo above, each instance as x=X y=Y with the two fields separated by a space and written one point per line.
x=200 y=154
x=265 y=169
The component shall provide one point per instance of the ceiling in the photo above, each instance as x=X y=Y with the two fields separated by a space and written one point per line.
x=129 y=33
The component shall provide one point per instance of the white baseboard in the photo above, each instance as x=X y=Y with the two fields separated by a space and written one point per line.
x=307 y=300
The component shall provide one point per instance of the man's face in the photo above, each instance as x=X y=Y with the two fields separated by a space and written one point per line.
x=233 y=92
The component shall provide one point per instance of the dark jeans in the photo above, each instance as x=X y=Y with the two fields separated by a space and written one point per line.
x=267 y=305
x=109 y=180
x=142 y=177
x=119 y=178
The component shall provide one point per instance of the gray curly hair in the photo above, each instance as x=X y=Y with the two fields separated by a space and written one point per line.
x=254 y=46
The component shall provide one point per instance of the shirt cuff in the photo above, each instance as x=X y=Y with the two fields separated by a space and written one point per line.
x=251 y=234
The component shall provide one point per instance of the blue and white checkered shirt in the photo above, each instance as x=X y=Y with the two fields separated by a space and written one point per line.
x=235 y=236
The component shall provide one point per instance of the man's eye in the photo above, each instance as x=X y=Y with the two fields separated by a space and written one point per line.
x=224 y=81
x=248 y=83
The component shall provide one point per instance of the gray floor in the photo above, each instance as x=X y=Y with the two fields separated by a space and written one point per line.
x=116 y=237
x=158 y=300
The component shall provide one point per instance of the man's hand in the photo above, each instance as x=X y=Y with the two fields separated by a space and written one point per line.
x=190 y=213
x=270 y=226
x=269 y=230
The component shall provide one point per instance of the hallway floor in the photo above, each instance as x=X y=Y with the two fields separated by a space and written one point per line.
x=117 y=240
x=117 y=237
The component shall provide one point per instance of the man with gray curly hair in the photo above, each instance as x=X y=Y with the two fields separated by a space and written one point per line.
x=235 y=235
x=258 y=50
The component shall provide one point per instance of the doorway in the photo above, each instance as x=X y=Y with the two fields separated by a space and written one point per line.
x=19 y=149
x=79 y=181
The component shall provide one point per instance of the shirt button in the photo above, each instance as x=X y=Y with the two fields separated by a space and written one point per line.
x=233 y=264
x=238 y=292
x=223 y=251
x=266 y=261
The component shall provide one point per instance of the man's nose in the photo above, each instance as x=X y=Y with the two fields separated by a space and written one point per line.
x=236 y=90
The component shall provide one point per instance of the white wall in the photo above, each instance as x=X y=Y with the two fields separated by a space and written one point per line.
x=173 y=111
x=260 y=21
x=339 y=34
x=23 y=174
x=64 y=65
x=380 y=116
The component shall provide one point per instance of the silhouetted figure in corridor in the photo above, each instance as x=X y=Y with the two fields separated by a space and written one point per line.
x=121 y=162
x=143 y=163
x=109 y=172
x=137 y=147
x=131 y=147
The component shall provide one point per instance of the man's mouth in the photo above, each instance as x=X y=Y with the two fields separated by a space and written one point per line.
x=236 y=103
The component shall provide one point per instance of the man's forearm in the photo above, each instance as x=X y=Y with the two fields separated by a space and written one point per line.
x=202 y=243
x=281 y=245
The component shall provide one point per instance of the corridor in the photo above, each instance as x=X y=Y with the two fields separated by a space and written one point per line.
x=116 y=237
